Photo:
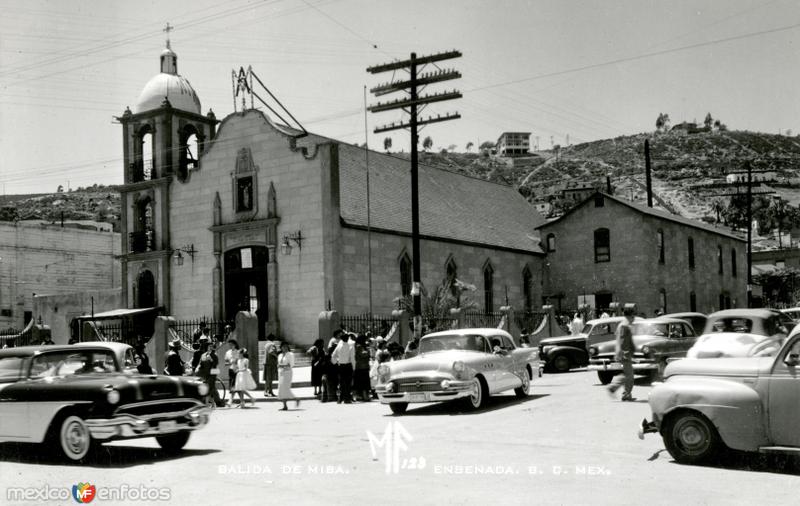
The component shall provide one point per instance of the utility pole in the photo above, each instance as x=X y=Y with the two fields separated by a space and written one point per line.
x=413 y=105
x=647 y=170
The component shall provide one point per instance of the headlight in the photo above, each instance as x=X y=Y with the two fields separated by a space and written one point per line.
x=202 y=389
x=390 y=387
x=383 y=369
x=112 y=397
x=458 y=366
x=445 y=384
x=593 y=351
x=646 y=351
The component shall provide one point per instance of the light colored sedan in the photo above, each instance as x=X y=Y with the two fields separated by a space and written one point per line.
x=469 y=364
x=742 y=333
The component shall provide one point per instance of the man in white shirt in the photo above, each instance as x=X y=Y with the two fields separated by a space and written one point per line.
x=344 y=358
x=577 y=325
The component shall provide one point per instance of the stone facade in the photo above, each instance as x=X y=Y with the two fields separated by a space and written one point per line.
x=38 y=260
x=634 y=272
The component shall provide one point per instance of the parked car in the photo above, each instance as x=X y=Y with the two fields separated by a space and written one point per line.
x=747 y=404
x=793 y=313
x=696 y=320
x=655 y=341
x=73 y=397
x=469 y=364
x=560 y=354
x=742 y=333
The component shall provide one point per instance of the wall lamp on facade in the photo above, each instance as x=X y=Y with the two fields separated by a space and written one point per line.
x=286 y=244
x=177 y=254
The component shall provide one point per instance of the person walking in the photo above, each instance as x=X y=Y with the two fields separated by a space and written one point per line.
x=231 y=356
x=244 y=379
x=270 y=369
x=174 y=364
x=361 y=368
x=141 y=359
x=624 y=354
x=285 y=364
x=577 y=325
x=317 y=353
x=344 y=358
x=207 y=370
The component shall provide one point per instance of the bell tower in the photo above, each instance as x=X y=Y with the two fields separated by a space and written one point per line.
x=163 y=140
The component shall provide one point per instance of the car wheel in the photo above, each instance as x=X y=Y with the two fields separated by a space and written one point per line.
x=690 y=438
x=561 y=363
x=525 y=389
x=479 y=394
x=605 y=377
x=173 y=443
x=398 y=408
x=74 y=438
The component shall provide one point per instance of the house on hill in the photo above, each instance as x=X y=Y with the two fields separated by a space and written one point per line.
x=609 y=249
x=514 y=144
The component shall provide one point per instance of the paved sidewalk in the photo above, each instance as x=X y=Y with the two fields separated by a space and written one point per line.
x=301 y=387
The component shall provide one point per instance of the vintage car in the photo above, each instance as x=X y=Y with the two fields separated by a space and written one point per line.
x=741 y=333
x=655 y=341
x=73 y=397
x=462 y=363
x=747 y=404
x=560 y=354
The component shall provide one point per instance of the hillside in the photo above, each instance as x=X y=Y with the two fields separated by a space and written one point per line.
x=97 y=203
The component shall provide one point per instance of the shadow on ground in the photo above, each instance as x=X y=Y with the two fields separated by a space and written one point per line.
x=745 y=461
x=105 y=456
x=453 y=408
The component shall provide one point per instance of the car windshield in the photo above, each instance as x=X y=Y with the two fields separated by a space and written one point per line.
x=743 y=325
x=649 y=329
x=69 y=363
x=468 y=342
x=11 y=369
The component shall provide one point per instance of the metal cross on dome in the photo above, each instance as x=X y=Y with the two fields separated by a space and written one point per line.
x=166 y=30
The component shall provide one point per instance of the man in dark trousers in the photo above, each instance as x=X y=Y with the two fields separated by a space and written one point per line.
x=207 y=370
x=344 y=358
x=624 y=354
x=174 y=365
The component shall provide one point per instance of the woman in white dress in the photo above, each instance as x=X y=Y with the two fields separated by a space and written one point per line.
x=285 y=364
x=244 y=378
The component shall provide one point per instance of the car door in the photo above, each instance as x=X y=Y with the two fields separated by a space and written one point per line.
x=681 y=338
x=783 y=409
x=504 y=375
x=13 y=403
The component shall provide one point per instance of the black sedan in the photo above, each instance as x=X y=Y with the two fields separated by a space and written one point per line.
x=77 y=396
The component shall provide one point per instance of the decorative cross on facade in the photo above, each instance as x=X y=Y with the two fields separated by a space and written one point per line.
x=168 y=29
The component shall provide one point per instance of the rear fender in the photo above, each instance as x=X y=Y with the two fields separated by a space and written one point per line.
x=575 y=354
x=733 y=407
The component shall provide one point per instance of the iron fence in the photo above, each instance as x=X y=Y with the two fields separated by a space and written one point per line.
x=439 y=323
x=376 y=325
x=13 y=337
x=188 y=331
x=475 y=319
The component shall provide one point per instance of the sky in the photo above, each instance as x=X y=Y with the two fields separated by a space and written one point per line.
x=568 y=71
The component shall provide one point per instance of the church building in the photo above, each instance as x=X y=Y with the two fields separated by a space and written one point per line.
x=242 y=214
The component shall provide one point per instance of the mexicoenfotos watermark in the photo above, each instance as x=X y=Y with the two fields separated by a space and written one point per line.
x=84 y=493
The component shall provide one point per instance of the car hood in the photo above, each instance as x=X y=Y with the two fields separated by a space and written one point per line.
x=721 y=367
x=551 y=341
x=728 y=344
x=441 y=361
x=638 y=342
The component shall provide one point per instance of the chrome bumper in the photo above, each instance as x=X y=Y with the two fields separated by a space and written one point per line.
x=129 y=426
x=608 y=365
x=456 y=390
x=647 y=428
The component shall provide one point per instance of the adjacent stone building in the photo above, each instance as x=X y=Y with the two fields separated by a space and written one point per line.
x=38 y=260
x=246 y=215
x=608 y=249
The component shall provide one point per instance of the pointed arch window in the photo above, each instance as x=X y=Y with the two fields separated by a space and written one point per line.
x=188 y=151
x=720 y=269
x=660 y=246
x=690 y=243
x=733 y=262
x=451 y=279
x=692 y=301
x=527 y=288
x=405 y=275
x=488 y=288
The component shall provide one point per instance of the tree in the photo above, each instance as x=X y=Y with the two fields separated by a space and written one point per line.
x=427 y=143
x=718 y=207
x=60 y=189
x=660 y=122
x=666 y=122
x=387 y=144
x=707 y=122
x=470 y=144
x=485 y=146
x=451 y=148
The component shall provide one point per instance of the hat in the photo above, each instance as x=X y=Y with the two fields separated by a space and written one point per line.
x=204 y=339
x=175 y=343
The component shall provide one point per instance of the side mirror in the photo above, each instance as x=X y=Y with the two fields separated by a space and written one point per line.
x=792 y=359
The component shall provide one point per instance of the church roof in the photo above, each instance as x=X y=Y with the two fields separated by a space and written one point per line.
x=452 y=206
x=167 y=84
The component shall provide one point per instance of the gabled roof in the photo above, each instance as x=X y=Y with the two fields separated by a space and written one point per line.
x=452 y=206
x=657 y=213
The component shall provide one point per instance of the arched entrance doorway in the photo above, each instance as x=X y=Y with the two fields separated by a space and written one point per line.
x=145 y=289
x=246 y=283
